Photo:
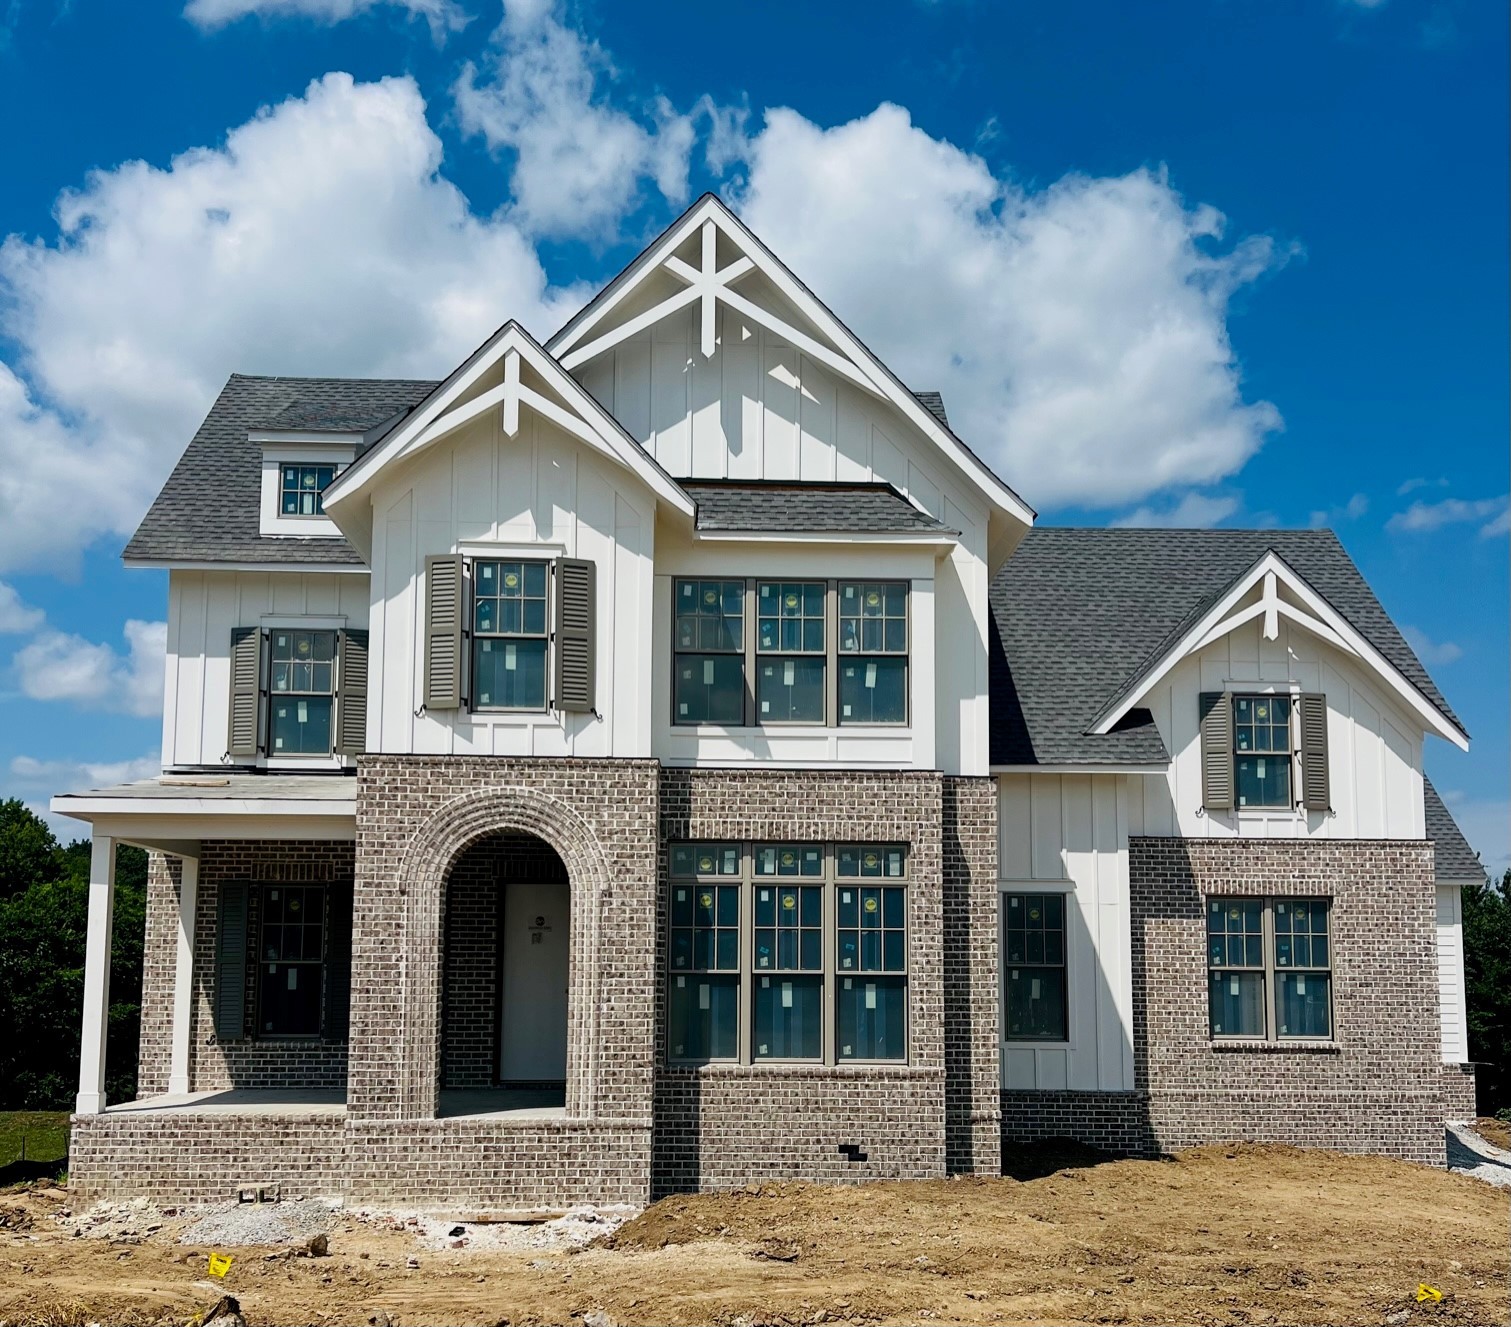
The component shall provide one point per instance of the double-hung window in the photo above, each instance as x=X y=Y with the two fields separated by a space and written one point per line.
x=709 y=662
x=302 y=691
x=509 y=635
x=1033 y=964
x=1269 y=968
x=301 y=489
x=791 y=617
x=873 y=649
x=1262 y=749
x=754 y=652
x=291 y=958
x=787 y=952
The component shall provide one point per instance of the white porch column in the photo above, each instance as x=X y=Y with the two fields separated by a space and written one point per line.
x=91 y=1098
x=183 y=976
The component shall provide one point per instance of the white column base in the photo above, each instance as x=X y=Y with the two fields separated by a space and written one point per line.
x=89 y=1103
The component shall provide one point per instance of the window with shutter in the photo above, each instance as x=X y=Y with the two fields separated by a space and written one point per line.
x=443 y=632
x=1216 y=718
x=576 y=611
x=351 y=701
x=245 y=734
x=1316 y=788
x=231 y=963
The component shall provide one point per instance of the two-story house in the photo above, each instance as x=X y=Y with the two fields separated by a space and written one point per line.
x=669 y=757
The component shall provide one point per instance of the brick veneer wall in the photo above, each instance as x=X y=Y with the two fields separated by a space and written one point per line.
x=724 y=1125
x=1115 y=1121
x=252 y=1061
x=159 y=966
x=1458 y=1092
x=1377 y=1087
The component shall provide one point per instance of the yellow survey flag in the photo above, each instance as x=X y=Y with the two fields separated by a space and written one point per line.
x=220 y=1264
x=1425 y=1292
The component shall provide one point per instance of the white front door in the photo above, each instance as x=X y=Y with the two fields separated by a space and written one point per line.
x=533 y=1037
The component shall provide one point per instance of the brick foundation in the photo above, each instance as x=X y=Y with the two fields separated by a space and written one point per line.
x=1114 y=1121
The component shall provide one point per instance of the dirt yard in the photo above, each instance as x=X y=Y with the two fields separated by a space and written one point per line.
x=1236 y=1234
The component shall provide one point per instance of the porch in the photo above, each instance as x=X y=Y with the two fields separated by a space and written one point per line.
x=455 y=1104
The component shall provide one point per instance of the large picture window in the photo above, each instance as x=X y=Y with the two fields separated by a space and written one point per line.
x=1269 y=968
x=509 y=635
x=1034 y=967
x=301 y=691
x=788 y=952
x=1262 y=747
x=755 y=652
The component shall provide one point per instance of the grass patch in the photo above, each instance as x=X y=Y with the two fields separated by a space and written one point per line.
x=33 y=1144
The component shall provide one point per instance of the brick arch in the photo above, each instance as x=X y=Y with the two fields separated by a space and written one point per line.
x=427 y=865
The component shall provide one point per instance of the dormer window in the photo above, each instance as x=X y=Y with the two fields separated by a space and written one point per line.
x=301 y=489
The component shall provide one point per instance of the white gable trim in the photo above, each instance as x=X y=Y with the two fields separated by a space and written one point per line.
x=440 y=416
x=1317 y=616
x=850 y=358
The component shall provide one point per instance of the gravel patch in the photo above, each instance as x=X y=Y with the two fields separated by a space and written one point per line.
x=1470 y=1154
x=128 y=1222
x=231 y=1224
x=579 y=1227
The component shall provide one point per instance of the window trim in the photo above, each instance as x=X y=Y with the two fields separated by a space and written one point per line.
x=1065 y=891
x=259 y=963
x=829 y=881
x=470 y=634
x=334 y=694
x=1289 y=691
x=1269 y=970
x=833 y=657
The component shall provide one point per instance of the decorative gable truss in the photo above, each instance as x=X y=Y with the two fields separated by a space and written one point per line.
x=708 y=258
x=508 y=372
x=1270 y=590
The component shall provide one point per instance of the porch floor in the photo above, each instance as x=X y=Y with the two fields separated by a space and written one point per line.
x=455 y=1104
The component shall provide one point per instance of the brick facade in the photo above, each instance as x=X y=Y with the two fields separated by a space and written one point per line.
x=1458 y=1092
x=1377 y=1087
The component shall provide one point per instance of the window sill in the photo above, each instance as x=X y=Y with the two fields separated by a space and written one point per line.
x=801 y=1069
x=1035 y=1044
x=795 y=729
x=1296 y=1046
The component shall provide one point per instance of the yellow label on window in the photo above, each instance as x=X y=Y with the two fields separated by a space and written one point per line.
x=870 y=905
x=789 y=901
x=705 y=900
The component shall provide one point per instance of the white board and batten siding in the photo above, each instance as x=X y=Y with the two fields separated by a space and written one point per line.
x=1069 y=833
x=1452 y=1002
x=758 y=409
x=1374 y=746
x=538 y=494
x=203 y=609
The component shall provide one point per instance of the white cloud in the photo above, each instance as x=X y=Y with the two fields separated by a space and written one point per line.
x=1193 y=511
x=1351 y=510
x=320 y=238
x=443 y=15
x=1423 y=517
x=36 y=781
x=1429 y=651
x=1411 y=485
x=579 y=161
x=60 y=666
x=1079 y=332
x=17 y=617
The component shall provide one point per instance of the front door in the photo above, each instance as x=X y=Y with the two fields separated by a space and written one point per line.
x=533 y=1037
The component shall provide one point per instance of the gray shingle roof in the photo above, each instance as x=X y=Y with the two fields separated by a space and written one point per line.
x=303 y=416
x=807 y=508
x=1455 y=860
x=209 y=510
x=933 y=402
x=1080 y=613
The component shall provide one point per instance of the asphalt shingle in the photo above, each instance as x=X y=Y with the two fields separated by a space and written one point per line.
x=807 y=508
x=209 y=510
x=1080 y=613
x=1455 y=861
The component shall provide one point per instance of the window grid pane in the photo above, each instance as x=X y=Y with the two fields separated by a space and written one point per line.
x=1033 y=947
x=1262 y=750
x=291 y=951
x=873 y=617
x=710 y=616
x=790 y=617
x=1268 y=962
x=302 y=489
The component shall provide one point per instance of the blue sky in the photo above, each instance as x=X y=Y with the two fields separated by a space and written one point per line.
x=1221 y=262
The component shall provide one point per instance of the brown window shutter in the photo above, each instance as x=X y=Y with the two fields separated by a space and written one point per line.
x=245 y=734
x=443 y=632
x=1316 y=789
x=351 y=703
x=338 y=961
x=576 y=615
x=1215 y=710
x=231 y=963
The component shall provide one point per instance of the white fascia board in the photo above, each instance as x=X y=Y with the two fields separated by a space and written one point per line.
x=1158 y=768
x=882 y=379
x=1272 y=564
x=599 y=428
x=83 y=807
x=324 y=568
x=297 y=438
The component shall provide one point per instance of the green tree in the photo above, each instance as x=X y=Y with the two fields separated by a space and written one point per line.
x=1487 y=988
x=44 y=922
